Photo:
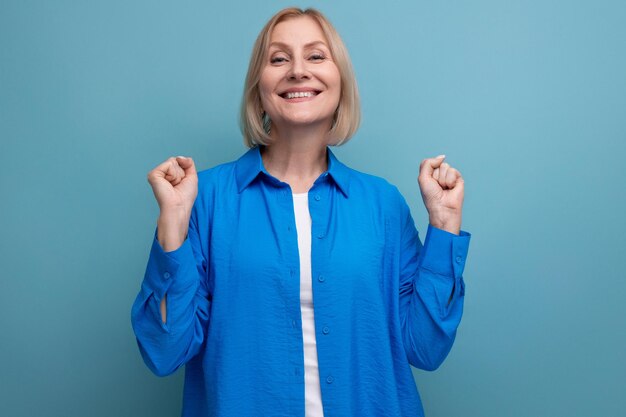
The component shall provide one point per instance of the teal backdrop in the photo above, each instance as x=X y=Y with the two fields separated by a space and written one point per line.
x=527 y=99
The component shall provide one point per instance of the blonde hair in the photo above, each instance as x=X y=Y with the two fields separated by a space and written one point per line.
x=255 y=124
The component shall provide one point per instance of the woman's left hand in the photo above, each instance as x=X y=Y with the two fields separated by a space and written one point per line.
x=442 y=191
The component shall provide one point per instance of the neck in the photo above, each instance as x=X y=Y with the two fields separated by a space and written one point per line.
x=296 y=156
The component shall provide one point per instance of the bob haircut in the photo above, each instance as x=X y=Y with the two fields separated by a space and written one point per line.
x=255 y=124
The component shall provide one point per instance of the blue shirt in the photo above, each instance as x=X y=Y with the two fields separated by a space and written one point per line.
x=382 y=299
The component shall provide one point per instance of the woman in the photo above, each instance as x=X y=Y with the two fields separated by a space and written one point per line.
x=243 y=251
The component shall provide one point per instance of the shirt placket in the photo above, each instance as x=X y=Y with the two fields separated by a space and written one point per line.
x=290 y=278
x=320 y=207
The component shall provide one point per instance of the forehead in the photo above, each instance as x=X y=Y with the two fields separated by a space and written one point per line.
x=299 y=30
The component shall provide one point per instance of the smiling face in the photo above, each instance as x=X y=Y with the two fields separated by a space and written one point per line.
x=300 y=84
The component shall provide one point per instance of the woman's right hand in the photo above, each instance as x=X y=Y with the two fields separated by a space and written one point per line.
x=175 y=186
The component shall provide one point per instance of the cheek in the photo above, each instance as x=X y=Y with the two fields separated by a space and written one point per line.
x=264 y=98
x=337 y=92
x=267 y=105
x=265 y=87
x=334 y=79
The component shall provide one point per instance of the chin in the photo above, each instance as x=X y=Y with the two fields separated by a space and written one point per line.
x=306 y=119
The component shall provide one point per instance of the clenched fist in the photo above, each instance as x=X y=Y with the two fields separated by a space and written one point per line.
x=175 y=187
x=442 y=191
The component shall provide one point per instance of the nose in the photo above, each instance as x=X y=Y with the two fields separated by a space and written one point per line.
x=298 y=70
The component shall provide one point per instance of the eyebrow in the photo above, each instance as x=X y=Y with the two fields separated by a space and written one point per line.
x=308 y=45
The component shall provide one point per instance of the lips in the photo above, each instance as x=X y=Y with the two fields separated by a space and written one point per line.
x=295 y=93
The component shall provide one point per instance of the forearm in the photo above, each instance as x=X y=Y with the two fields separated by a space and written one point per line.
x=164 y=309
x=172 y=228
x=167 y=347
x=434 y=298
x=429 y=326
x=168 y=337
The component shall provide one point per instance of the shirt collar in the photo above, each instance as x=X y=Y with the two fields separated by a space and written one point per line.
x=250 y=165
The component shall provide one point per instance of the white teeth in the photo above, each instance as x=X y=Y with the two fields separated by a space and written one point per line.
x=300 y=94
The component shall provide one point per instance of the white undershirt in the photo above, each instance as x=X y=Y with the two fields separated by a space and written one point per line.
x=312 y=392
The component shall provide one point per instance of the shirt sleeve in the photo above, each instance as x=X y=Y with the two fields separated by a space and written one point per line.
x=181 y=274
x=431 y=291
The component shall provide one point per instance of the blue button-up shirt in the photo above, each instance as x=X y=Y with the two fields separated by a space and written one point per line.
x=382 y=299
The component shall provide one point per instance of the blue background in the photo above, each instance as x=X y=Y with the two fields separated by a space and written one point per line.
x=527 y=99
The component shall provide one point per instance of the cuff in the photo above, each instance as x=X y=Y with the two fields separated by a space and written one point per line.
x=165 y=268
x=444 y=253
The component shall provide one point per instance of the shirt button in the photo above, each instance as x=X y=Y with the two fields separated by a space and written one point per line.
x=289 y=228
x=320 y=236
x=291 y=272
x=330 y=379
x=166 y=275
x=293 y=323
x=458 y=259
x=325 y=330
x=321 y=278
x=317 y=197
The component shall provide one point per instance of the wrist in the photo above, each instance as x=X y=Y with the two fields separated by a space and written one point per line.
x=172 y=229
x=451 y=224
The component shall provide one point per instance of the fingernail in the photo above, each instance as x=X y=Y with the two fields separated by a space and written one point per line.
x=440 y=156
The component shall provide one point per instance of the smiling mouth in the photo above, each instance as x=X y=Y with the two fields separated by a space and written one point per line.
x=299 y=94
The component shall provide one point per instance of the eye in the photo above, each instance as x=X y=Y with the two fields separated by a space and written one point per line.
x=278 y=60
x=317 y=57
